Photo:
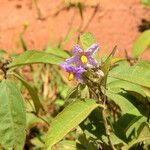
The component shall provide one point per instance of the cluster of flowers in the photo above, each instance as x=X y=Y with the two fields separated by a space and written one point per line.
x=77 y=64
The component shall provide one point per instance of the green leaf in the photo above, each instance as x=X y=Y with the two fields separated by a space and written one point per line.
x=141 y=44
x=146 y=2
x=132 y=128
x=32 y=92
x=23 y=44
x=133 y=79
x=58 y=52
x=128 y=86
x=91 y=125
x=138 y=74
x=68 y=119
x=33 y=57
x=147 y=91
x=144 y=130
x=86 y=40
x=37 y=143
x=125 y=105
x=143 y=135
x=88 y=143
x=12 y=116
x=32 y=119
x=106 y=65
x=70 y=145
x=123 y=124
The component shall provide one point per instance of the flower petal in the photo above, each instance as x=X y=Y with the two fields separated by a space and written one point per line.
x=92 y=61
x=80 y=70
x=72 y=59
x=77 y=49
x=67 y=67
x=70 y=69
x=92 y=49
x=63 y=65
x=80 y=64
x=79 y=77
x=78 y=73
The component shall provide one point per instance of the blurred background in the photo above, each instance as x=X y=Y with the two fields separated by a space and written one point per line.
x=40 y=22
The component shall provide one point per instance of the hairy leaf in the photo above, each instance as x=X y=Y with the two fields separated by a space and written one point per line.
x=123 y=124
x=33 y=57
x=68 y=119
x=86 y=40
x=143 y=135
x=70 y=145
x=58 y=52
x=12 y=116
x=133 y=79
x=137 y=74
x=146 y=2
x=125 y=105
x=141 y=44
x=128 y=86
x=23 y=44
x=132 y=128
x=32 y=92
x=106 y=65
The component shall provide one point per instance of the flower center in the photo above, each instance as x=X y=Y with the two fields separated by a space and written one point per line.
x=71 y=76
x=84 y=59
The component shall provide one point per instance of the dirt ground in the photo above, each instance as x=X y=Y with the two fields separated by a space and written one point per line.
x=115 y=23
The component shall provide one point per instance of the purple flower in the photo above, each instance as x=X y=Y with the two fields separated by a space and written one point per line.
x=73 y=72
x=83 y=58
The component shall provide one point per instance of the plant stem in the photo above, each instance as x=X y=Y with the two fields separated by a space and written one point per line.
x=106 y=128
x=104 y=98
x=43 y=119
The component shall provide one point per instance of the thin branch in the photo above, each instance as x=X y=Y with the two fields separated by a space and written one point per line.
x=33 y=112
x=107 y=128
x=104 y=98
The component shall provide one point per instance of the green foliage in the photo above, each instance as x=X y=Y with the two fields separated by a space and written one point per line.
x=104 y=112
x=86 y=40
x=33 y=57
x=32 y=92
x=141 y=44
x=68 y=119
x=138 y=74
x=143 y=135
x=58 y=52
x=107 y=63
x=125 y=105
x=146 y=2
x=23 y=44
x=70 y=145
x=12 y=116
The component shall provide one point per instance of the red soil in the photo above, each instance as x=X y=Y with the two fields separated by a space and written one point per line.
x=115 y=23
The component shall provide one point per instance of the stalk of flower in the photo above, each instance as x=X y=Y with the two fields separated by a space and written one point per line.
x=83 y=58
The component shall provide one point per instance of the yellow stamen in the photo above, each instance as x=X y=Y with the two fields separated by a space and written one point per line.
x=84 y=59
x=71 y=76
